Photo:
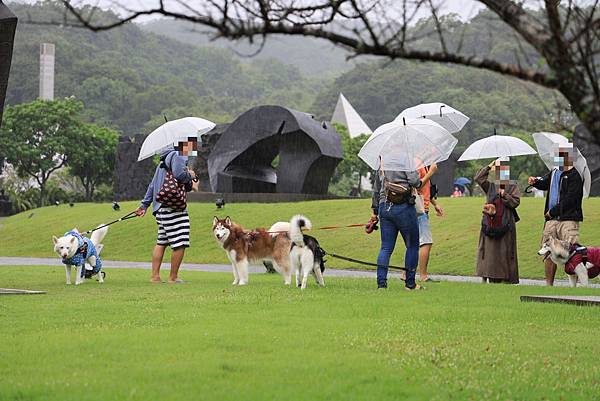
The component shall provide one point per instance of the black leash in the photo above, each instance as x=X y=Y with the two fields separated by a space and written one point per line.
x=362 y=262
x=126 y=217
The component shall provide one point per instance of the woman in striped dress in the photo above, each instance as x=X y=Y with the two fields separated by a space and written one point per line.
x=173 y=225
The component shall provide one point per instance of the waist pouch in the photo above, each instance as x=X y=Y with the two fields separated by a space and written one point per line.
x=397 y=193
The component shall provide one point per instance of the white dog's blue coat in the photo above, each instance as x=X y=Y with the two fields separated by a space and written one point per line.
x=85 y=249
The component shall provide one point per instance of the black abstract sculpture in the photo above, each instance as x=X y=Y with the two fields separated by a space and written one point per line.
x=591 y=151
x=245 y=157
x=131 y=178
x=8 y=25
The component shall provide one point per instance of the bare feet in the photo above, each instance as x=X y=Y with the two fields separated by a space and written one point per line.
x=155 y=280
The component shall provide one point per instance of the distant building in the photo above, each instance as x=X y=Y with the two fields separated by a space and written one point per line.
x=345 y=114
x=47 y=71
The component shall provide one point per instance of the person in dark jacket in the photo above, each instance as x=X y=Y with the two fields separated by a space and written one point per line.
x=563 y=203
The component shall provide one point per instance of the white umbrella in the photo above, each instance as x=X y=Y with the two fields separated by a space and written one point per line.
x=171 y=132
x=547 y=143
x=407 y=144
x=449 y=118
x=496 y=146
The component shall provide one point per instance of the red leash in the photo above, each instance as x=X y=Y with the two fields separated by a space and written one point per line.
x=322 y=228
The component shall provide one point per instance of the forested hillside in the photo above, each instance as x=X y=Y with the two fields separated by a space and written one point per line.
x=311 y=56
x=128 y=77
x=380 y=89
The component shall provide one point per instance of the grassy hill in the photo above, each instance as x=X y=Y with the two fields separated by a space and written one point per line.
x=455 y=236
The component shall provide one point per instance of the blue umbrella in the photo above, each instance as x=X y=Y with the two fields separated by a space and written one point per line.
x=462 y=181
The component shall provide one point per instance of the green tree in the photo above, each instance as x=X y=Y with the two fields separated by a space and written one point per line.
x=93 y=161
x=351 y=169
x=35 y=137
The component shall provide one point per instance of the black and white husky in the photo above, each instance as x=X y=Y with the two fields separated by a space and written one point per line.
x=306 y=256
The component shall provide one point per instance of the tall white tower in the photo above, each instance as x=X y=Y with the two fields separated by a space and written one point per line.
x=47 y=71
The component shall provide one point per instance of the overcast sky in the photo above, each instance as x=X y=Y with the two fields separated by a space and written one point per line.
x=465 y=8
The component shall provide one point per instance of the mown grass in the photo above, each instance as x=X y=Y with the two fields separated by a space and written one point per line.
x=205 y=340
x=455 y=235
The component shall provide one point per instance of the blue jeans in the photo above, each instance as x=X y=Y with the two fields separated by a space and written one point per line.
x=398 y=218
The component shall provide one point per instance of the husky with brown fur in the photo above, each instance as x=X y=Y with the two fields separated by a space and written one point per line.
x=243 y=247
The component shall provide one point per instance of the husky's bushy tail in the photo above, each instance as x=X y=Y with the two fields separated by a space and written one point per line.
x=98 y=235
x=297 y=223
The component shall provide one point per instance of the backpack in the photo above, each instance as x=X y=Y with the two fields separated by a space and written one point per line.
x=499 y=224
x=171 y=193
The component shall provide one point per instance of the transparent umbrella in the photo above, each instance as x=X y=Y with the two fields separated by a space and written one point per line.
x=449 y=118
x=407 y=144
x=496 y=146
x=547 y=143
x=171 y=132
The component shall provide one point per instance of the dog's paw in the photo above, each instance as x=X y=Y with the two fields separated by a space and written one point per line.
x=243 y=283
x=69 y=283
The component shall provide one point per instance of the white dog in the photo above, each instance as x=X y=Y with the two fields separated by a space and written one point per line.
x=81 y=252
x=580 y=263
x=306 y=256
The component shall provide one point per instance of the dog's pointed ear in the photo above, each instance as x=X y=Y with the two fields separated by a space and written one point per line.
x=54 y=239
x=228 y=220
x=74 y=241
x=215 y=221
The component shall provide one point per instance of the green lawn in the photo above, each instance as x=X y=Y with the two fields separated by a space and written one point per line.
x=453 y=253
x=205 y=340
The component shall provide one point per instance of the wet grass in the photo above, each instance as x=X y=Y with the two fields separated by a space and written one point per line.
x=132 y=340
x=455 y=235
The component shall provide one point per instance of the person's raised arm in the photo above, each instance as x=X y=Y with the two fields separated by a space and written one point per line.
x=482 y=178
x=541 y=183
x=431 y=171
x=180 y=169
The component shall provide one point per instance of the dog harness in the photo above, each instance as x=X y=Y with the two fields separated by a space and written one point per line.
x=85 y=250
x=581 y=254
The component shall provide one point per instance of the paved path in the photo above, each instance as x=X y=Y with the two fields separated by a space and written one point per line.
x=14 y=261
